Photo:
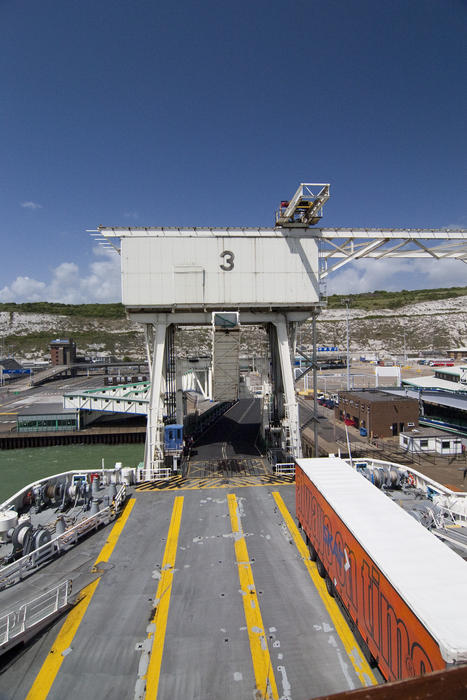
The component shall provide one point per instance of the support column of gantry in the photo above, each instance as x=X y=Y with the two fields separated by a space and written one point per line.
x=156 y=337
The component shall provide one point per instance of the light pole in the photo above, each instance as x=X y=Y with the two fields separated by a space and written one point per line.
x=347 y=302
x=315 y=391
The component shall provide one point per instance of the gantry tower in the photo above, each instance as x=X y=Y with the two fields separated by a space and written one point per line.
x=271 y=276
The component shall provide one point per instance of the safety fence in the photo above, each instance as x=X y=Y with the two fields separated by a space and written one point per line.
x=155 y=474
x=31 y=615
x=284 y=468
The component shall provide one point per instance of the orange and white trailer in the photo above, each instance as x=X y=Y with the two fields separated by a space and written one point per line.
x=404 y=590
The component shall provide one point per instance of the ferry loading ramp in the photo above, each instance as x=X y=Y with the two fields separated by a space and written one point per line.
x=209 y=576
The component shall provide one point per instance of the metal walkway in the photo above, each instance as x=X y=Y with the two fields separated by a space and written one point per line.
x=179 y=483
x=228 y=467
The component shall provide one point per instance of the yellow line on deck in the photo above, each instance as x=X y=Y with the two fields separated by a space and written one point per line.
x=51 y=666
x=264 y=673
x=360 y=664
x=162 y=602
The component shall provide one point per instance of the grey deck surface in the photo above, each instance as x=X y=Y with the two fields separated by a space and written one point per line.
x=206 y=653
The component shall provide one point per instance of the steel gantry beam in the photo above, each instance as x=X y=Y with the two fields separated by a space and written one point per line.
x=338 y=246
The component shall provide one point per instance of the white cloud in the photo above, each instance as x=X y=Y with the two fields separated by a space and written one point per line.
x=131 y=214
x=23 y=288
x=100 y=283
x=103 y=281
x=31 y=205
x=396 y=274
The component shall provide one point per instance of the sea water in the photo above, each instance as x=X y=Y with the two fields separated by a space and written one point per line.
x=20 y=467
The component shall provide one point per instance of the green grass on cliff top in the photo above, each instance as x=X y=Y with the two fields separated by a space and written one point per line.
x=379 y=299
x=78 y=310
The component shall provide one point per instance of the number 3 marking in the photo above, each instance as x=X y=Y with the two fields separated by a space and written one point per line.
x=229 y=260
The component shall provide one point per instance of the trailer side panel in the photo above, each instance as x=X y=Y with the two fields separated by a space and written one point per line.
x=395 y=636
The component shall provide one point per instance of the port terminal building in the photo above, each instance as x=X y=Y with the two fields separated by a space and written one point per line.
x=47 y=418
x=62 y=351
x=442 y=398
x=452 y=379
x=458 y=353
x=376 y=413
x=427 y=439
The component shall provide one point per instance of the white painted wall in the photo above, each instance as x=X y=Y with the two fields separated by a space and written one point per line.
x=394 y=372
x=455 y=446
x=435 y=444
x=187 y=270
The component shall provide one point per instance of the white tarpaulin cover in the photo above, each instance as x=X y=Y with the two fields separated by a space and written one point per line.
x=430 y=577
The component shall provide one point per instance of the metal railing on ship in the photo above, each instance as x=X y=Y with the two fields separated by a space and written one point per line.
x=29 y=617
x=17 y=570
x=454 y=503
x=162 y=473
x=284 y=468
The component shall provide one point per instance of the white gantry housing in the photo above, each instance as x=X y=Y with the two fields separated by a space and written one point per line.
x=270 y=276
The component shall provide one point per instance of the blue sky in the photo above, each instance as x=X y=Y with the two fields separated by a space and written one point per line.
x=209 y=113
